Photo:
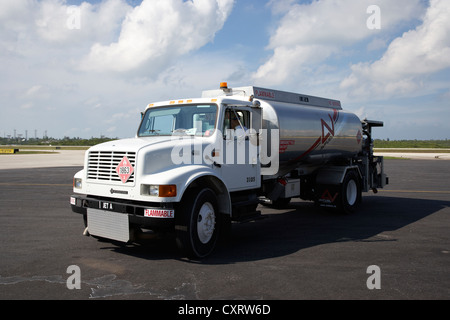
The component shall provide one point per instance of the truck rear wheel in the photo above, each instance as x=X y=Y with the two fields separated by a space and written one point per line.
x=350 y=195
x=198 y=224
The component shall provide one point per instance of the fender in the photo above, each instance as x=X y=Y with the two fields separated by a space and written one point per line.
x=335 y=174
x=187 y=176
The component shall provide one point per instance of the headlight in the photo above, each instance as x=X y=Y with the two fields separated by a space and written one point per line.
x=168 y=191
x=77 y=183
x=153 y=191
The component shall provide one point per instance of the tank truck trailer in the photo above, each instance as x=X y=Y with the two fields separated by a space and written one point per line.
x=196 y=165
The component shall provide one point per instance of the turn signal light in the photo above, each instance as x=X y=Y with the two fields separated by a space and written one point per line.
x=169 y=191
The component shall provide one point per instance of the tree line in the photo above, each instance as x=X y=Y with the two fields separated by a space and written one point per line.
x=66 y=141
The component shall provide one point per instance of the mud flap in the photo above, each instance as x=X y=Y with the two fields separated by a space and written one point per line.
x=327 y=195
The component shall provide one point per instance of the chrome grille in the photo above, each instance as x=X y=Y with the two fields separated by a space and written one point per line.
x=102 y=165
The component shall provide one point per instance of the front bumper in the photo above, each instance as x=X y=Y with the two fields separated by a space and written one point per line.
x=151 y=216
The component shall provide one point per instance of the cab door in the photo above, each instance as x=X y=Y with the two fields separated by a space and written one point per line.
x=241 y=168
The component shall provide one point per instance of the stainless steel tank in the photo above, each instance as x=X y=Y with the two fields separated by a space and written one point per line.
x=311 y=135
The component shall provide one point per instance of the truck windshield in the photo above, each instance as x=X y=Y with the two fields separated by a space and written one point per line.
x=193 y=120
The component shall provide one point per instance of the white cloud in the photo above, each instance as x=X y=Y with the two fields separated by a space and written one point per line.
x=289 y=63
x=51 y=22
x=409 y=59
x=86 y=81
x=158 y=31
x=309 y=34
x=33 y=90
x=13 y=14
x=43 y=87
x=27 y=105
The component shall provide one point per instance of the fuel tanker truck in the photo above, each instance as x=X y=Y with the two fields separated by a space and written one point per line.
x=197 y=165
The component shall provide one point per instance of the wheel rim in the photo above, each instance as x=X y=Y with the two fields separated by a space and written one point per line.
x=352 y=192
x=206 y=222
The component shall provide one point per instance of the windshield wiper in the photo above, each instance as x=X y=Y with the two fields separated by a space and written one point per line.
x=179 y=132
x=188 y=132
x=153 y=131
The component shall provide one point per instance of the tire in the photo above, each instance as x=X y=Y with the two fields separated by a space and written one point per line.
x=350 y=195
x=198 y=223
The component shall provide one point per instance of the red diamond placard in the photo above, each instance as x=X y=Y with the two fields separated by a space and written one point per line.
x=125 y=169
x=359 y=136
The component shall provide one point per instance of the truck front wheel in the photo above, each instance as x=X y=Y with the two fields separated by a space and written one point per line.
x=198 y=223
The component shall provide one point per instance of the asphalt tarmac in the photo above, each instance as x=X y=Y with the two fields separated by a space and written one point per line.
x=298 y=253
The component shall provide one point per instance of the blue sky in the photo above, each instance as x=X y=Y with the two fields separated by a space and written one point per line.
x=87 y=68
